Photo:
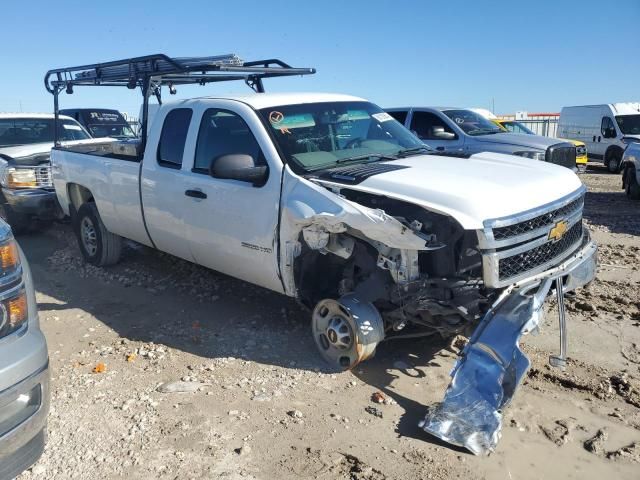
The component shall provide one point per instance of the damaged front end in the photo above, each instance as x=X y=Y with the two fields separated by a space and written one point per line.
x=492 y=365
x=372 y=266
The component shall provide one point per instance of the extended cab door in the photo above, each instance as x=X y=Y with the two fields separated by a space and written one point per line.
x=232 y=225
x=435 y=131
x=162 y=181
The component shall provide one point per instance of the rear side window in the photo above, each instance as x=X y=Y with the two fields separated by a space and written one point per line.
x=174 y=137
x=224 y=132
x=400 y=115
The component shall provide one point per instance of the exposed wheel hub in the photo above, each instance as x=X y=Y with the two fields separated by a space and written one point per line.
x=346 y=331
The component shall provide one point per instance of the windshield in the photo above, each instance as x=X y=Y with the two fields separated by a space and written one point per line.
x=321 y=135
x=115 y=131
x=472 y=123
x=629 y=124
x=517 y=127
x=25 y=131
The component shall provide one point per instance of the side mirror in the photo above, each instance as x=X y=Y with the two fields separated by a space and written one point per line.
x=611 y=132
x=239 y=166
x=439 y=133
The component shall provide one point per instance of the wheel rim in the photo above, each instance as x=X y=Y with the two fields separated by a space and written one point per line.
x=614 y=165
x=88 y=236
x=346 y=331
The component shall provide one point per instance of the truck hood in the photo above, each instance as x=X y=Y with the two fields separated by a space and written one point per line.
x=485 y=186
x=21 y=151
x=37 y=152
x=518 y=140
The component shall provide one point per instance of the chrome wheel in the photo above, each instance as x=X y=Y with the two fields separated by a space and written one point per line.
x=346 y=331
x=88 y=236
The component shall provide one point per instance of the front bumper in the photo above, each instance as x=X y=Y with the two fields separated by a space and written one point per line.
x=38 y=202
x=23 y=420
x=492 y=365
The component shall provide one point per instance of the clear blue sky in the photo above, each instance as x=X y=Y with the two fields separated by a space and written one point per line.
x=536 y=56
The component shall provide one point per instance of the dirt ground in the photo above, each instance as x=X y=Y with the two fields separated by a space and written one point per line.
x=261 y=404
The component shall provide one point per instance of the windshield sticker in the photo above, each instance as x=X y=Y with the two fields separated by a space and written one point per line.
x=382 y=117
x=276 y=117
x=71 y=127
x=284 y=124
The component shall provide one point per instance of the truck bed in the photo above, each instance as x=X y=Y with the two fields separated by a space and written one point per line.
x=110 y=171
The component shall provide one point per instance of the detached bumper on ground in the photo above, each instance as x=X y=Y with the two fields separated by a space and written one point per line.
x=492 y=365
x=38 y=202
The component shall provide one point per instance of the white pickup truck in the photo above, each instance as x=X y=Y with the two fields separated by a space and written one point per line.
x=326 y=198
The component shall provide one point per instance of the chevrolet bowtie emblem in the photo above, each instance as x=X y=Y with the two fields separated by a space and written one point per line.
x=558 y=230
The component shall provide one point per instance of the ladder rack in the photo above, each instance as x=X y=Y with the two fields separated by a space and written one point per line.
x=151 y=72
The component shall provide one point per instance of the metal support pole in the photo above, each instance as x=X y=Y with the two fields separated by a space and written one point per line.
x=560 y=361
x=145 y=112
x=55 y=117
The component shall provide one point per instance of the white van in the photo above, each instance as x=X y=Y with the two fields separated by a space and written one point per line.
x=605 y=129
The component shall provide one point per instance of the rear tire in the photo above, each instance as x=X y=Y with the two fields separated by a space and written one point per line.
x=99 y=246
x=631 y=184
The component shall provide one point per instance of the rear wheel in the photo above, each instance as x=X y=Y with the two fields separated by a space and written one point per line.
x=346 y=331
x=631 y=183
x=98 y=246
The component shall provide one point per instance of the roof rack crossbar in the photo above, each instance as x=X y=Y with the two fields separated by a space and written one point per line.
x=151 y=72
x=133 y=71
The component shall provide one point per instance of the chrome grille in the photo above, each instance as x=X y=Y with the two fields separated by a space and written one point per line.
x=517 y=247
x=546 y=219
x=513 y=266
x=562 y=154
x=43 y=176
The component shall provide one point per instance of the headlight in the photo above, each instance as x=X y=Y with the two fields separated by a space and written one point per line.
x=19 y=178
x=532 y=155
x=14 y=309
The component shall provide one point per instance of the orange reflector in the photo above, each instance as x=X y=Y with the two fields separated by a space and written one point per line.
x=9 y=257
x=17 y=309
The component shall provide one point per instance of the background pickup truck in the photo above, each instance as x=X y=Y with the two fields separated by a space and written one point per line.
x=25 y=173
x=328 y=199
x=461 y=130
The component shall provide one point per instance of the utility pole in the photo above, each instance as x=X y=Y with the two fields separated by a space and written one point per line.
x=493 y=105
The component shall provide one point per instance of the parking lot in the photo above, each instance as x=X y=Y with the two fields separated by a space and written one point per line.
x=260 y=403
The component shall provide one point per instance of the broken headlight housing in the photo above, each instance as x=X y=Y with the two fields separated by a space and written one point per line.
x=13 y=300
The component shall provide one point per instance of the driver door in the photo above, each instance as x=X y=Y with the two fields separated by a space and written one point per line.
x=435 y=132
x=231 y=224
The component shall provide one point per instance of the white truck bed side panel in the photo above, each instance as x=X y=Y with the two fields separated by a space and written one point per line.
x=113 y=184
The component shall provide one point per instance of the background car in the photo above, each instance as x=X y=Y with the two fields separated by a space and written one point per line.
x=24 y=363
x=28 y=198
x=518 y=127
x=467 y=132
x=101 y=122
x=606 y=129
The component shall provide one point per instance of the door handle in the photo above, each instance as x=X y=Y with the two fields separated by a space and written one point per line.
x=440 y=149
x=599 y=138
x=594 y=138
x=195 y=194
